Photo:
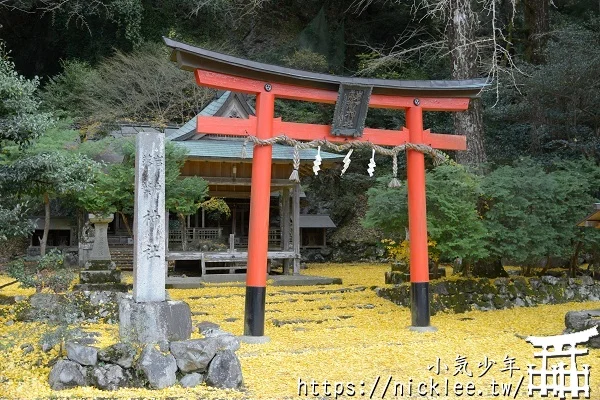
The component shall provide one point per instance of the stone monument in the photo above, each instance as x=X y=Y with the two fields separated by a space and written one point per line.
x=146 y=316
x=100 y=272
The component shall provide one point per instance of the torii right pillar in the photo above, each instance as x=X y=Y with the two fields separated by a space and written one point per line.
x=417 y=224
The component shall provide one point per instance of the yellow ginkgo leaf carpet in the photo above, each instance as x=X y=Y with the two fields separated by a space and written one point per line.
x=328 y=341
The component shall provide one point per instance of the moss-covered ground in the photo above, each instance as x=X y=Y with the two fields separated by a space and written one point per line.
x=340 y=334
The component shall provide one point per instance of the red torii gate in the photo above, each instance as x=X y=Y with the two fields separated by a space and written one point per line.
x=269 y=82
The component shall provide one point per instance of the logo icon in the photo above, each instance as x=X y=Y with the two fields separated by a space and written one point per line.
x=561 y=378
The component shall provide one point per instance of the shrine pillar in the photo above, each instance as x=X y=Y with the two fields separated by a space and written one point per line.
x=417 y=223
x=258 y=233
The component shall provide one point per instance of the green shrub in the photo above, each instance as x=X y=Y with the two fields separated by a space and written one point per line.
x=48 y=272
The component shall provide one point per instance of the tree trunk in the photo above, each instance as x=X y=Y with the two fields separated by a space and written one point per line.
x=126 y=224
x=183 y=225
x=546 y=266
x=462 y=25
x=436 y=269
x=574 y=258
x=470 y=123
x=537 y=25
x=46 y=224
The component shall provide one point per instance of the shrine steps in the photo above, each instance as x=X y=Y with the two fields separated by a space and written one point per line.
x=123 y=257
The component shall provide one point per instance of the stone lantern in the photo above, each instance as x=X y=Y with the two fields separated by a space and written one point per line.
x=100 y=272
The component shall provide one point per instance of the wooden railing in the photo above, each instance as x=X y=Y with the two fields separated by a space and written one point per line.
x=193 y=234
x=274 y=239
x=201 y=234
x=119 y=239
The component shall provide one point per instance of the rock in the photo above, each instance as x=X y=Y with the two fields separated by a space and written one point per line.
x=120 y=353
x=152 y=322
x=164 y=346
x=100 y=276
x=66 y=374
x=10 y=322
x=551 y=280
x=587 y=280
x=27 y=348
x=519 y=302
x=226 y=341
x=108 y=377
x=206 y=326
x=102 y=297
x=576 y=321
x=84 y=340
x=225 y=371
x=194 y=355
x=39 y=307
x=191 y=380
x=215 y=332
x=84 y=355
x=46 y=346
x=365 y=306
x=158 y=368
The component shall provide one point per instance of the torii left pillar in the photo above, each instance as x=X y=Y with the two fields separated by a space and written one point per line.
x=264 y=125
x=258 y=232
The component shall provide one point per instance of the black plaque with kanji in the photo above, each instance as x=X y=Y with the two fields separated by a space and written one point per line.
x=351 y=110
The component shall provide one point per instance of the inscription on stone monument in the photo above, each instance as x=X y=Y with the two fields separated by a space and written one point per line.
x=149 y=228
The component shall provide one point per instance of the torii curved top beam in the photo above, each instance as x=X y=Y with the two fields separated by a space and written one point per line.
x=191 y=58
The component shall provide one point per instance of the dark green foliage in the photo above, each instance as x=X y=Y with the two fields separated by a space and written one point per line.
x=555 y=111
x=307 y=60
x=49 y=272
x=46 y=176
x=453 y=222
x=112 y=190
x=340 y=194
x=53 y=173
x=13 y=219
x=20 y=119
x=531 y=212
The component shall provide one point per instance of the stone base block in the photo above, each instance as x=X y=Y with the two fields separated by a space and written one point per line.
x=153 y=322
x=100 y=276
x=101 y=287
x=96 y=265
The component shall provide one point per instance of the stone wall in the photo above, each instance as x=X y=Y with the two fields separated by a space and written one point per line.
x=211 y=360
x=69 y=308
x=495 y=294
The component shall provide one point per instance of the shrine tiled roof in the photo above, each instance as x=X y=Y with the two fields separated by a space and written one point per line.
x=316 y=221
x=211 y=109
x=218 y=148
